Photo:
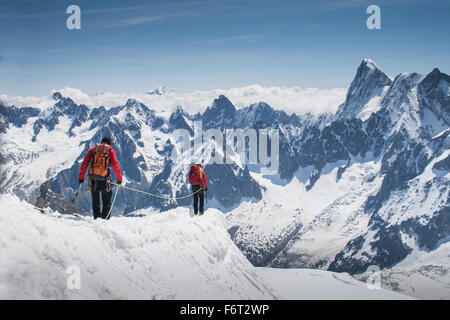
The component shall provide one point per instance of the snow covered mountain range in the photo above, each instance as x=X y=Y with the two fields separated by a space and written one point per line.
x=368 y=185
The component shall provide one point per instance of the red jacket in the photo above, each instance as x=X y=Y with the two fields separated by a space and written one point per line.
x=205 y=184
x=200 y=180
x=113 y=161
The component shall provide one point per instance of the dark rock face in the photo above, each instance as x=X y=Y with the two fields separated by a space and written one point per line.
x=432 y=95
x=179 y=120
x=220 y=115
x=264 y=255
x=15 y=116
x=443 y=165
x=388 y=247
x=229 y=184
x=55 y=201
x=260 y=114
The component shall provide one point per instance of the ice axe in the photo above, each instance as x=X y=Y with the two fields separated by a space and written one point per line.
x=76 y=195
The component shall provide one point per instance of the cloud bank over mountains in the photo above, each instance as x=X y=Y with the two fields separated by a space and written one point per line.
x=291 y=100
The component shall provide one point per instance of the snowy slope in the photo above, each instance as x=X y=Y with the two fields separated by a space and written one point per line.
x=333 y=214
x=34 y=163
x=423 y=274
x=308 y=284
x=146 y=255
x=262 y=229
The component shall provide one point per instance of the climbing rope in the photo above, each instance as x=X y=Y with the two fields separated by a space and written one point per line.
x=158 y=196
x=114 y=201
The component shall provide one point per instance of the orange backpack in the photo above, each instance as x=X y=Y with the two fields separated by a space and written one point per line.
x=99 y=167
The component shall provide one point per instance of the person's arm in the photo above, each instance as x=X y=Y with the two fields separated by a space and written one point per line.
x=85 y=164
x=115 y=166
x=205 y=183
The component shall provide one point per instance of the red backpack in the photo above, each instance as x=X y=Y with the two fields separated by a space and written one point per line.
x=196 y=175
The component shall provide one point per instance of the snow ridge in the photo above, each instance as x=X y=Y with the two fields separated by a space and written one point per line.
x=144 y=256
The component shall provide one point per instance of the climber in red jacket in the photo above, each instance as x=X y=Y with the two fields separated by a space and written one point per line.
x=197 y=178
x=99 y=159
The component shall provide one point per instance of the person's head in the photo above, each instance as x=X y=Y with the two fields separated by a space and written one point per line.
x=106 y=140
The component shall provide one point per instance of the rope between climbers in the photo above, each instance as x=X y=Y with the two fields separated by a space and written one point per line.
x=114 y=201
x=158 y=196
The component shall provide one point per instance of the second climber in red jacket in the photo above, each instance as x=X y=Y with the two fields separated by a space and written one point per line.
x=99 y=159
x=197 y=178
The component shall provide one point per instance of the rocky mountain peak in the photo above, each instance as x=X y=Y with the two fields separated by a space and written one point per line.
x=368 y=83
x=159 y=91
x=57 y=96
x=222 y=103
x=220 y=113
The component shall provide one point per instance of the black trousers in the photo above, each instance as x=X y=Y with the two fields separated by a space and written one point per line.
x=99 y=187
x=198 y=197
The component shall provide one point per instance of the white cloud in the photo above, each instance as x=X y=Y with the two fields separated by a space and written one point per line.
x=133 y=21
x=19 y=101
x=240 y=38
x=291 y=100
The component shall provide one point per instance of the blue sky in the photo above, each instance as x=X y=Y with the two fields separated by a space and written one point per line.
x=133 y=46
